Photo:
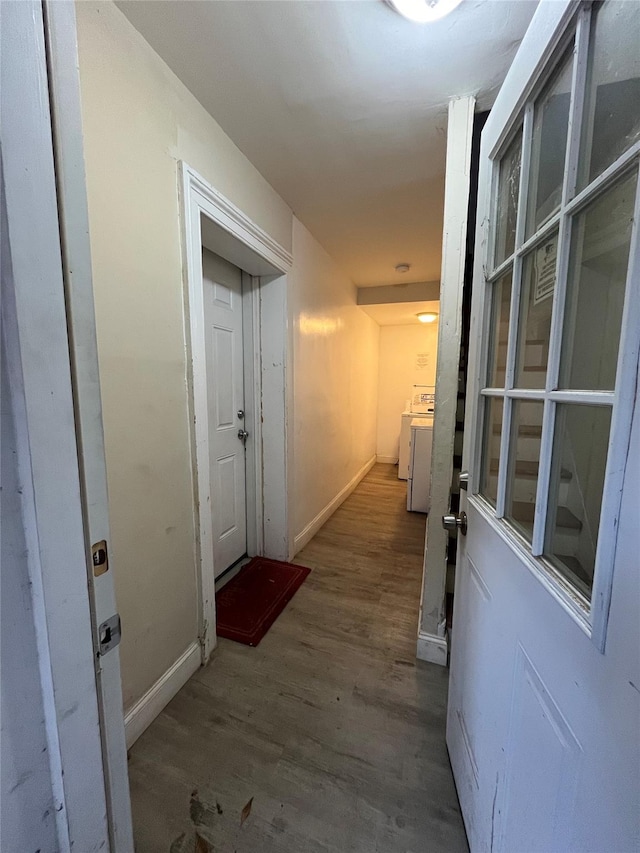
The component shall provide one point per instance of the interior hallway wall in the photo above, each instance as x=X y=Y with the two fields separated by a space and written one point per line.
x=407 y=357
x=335 y=383
x=139 y=121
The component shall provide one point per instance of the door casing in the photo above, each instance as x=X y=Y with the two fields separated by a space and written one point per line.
x=212 y=221
x=49 y=332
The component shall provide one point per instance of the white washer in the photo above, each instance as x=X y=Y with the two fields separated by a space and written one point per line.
x=405 y=441
x=419 y=481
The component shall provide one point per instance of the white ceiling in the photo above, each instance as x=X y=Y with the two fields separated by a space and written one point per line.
x=341 y=105
x=399 y=313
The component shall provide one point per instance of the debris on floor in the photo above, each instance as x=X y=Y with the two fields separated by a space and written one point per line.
x=202 y=845
x=246 y=811
x=203 y=813
x=198 y=838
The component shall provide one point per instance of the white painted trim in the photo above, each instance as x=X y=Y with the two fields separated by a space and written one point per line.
x=558 y=18
x=432 y=648
x=545 y=32
x=34 y=329
x=557 y=585
x=457 y=182
x=233 y=220
x=231 y=234
x=387 y=460
x=323 y=516
x=140 y=716
x=64 y=91
x=251 y=366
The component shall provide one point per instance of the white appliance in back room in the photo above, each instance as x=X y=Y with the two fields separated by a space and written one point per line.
x=421 y=404
x=419 y=481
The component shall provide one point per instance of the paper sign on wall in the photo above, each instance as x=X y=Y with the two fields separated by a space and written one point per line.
x=545 y=270
x=422 y=360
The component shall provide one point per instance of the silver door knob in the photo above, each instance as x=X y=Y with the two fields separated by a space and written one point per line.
x=455 y=522
x=240 y=414
x=243 y=435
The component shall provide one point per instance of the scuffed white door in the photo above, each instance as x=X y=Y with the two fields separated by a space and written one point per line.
x=544 y=705
x=222 y=283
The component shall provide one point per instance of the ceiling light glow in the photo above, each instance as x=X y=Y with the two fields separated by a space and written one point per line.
x=427 y=317
x=424 y=11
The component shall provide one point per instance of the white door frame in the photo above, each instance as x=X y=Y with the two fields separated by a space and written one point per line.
x=64 y=92
x=210 y=219
x=37 y=346
x=432 y=643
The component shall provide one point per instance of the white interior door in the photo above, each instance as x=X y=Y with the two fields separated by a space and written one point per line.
x=228 y=432
x=544 y=706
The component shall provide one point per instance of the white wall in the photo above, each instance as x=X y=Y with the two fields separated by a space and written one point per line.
x=335 y=378
x=400 y=347
x=139 y=121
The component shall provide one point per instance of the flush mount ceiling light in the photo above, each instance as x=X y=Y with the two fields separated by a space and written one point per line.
x=427 y=317
x=403 y=267
x=424 y=11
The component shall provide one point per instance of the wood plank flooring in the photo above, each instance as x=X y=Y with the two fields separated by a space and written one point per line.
x=331 y=727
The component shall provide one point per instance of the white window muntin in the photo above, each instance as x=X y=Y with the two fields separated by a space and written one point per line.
x=620 y=400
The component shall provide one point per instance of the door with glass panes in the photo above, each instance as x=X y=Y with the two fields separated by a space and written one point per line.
x=544 y=706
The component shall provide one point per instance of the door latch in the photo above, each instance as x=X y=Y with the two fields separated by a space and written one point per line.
x=100 y=558
x=109 y=633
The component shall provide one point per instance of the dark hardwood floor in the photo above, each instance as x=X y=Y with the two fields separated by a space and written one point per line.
x=331 y=728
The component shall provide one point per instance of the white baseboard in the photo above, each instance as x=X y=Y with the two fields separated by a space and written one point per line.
x=432 y=648
x=387 y=460
x=312 y=528
x=147 y=708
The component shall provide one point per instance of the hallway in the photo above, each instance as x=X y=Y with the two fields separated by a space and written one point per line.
x=330 y=725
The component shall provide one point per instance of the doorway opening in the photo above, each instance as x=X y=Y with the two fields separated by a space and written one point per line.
x=407 y=316
x=221 y=242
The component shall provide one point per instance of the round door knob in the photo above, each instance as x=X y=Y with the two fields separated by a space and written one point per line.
x=455 y=522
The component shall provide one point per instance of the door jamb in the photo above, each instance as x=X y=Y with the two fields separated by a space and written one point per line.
x=432 y=644
x=265 y=263
x=251 y=366
x=36 y=346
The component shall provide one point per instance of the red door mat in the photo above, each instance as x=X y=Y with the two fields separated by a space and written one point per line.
x=252 y=601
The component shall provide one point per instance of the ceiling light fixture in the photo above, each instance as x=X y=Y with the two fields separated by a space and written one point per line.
x=424 y=11
x=427 y=317
x=403 y=267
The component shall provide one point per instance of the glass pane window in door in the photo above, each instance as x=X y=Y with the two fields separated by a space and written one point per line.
x=493 y=410
x=578 y=468
x=548 y=148
x=499 y=330
x=598 y=261
x=536 y=305
x=611 y=116
x=506 y=212
x=524 y=456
